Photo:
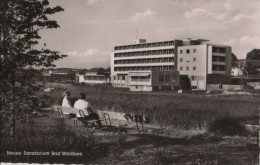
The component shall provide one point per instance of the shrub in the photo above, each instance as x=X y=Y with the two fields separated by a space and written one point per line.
x=227 y=126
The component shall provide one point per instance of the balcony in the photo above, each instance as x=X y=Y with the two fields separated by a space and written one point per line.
x=218 y=72
x=145 y=56
x=145 y=64
x=219 y=54
x=218 y=63
x=144 y=49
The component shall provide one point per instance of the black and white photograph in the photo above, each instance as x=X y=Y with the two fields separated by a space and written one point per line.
x=122 y=82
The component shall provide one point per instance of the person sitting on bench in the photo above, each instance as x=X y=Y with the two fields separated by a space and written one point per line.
x=66 y=100
x=81 y=103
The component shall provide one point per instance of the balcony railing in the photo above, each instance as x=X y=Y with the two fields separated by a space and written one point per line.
x=146 y=45
x=218 y=72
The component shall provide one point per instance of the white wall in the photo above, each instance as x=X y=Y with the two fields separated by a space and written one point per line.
x=141 y=88
x=200 y=64
x=82 y=80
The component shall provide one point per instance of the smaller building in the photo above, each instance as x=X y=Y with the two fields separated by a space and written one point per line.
x=93 y=76
x=153 y=80
x=236 y=72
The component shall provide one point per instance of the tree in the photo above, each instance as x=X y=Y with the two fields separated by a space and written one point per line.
x=248 y=68
x=20 y=24
x=233 y=60
x=253 y=55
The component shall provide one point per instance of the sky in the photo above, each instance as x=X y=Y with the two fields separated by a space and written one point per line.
x=89 y=29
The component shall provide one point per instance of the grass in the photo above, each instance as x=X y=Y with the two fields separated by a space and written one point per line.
x=56 y=138
x=182 y=111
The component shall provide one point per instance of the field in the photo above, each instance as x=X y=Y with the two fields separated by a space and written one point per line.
x=203 y=129
x=181 y=111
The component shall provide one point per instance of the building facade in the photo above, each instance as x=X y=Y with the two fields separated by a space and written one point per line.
x=204 y=63
x=197 y=59
x=141 y=57
x=153 y=80
x=93 y=76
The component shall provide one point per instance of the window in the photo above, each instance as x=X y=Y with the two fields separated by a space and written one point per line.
x=174 y=78
x=167 y=78
x=194 y=68
x=188 y=51
x=161 y=78
x=193 y=87
x=194 y=50
x=123 y=77
x=181 y=59
x=187 y=68
x=181 y=68
x=192 y=78
x=194 y=59
x=181 y=51
x=114 y=77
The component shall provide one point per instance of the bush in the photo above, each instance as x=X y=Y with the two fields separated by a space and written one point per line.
x=227 y=126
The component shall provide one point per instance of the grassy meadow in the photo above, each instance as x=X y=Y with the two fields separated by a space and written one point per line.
x=183 y=111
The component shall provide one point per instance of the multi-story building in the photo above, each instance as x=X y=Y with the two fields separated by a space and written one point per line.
x=142 y=57
x=200 y=61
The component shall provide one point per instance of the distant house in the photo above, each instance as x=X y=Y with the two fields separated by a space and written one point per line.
x=61 y=75
x=93 y=76
x=237 y=71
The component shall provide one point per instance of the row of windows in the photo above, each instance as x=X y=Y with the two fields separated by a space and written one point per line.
x=141 y=61
x=146 y=45
x=198 y=78
x=145 y=53
x=144 y=68
x=193 y=87
x=94 y=77
x=140 y=79
x=218 y=67
x=218 y=50
x=120 y=77
x=188 y=68
x=188 y=51
x=161 y=78
x=218 y=59
x=194 y=60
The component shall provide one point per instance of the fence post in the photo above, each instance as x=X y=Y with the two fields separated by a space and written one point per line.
x=258 y=137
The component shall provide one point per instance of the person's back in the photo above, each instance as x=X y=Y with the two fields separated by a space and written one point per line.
x=81 y=103
x=66 y=100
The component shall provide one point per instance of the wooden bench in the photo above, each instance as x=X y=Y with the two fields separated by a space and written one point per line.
x=75 y=114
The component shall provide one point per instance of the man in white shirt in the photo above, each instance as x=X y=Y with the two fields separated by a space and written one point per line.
x=81 y=103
